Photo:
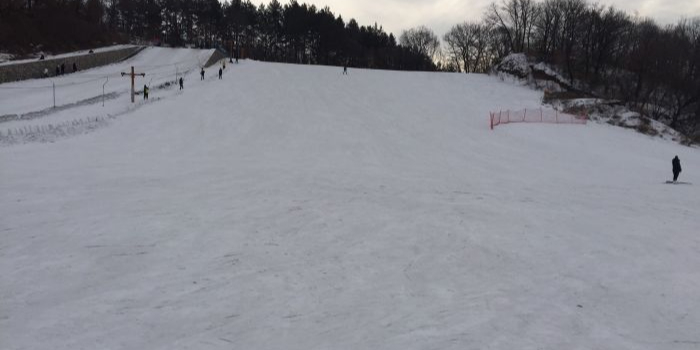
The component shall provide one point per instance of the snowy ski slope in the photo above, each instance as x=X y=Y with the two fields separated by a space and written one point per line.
x=290 y=207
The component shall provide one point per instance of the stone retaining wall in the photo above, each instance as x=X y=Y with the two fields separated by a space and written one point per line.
x=216 y=57
x=35 y=69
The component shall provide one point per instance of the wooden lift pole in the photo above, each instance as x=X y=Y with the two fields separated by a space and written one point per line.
x=133 y=82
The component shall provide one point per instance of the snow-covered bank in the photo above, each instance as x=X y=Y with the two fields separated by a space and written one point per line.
x=159 y=64
x=575 y=97
x=290 y=207
x=67 y=55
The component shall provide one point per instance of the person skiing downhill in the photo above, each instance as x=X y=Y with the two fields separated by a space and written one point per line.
x=676 y=168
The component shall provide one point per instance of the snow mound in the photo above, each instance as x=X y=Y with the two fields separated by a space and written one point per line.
x=515 y=64
x=5 y=57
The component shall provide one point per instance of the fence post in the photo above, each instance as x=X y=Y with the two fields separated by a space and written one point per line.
x=53 y=86
x=103 y=92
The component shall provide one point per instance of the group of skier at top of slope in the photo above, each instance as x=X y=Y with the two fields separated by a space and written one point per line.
x=181 y=81
x=221 y=72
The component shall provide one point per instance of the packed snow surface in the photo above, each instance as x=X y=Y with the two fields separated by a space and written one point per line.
x=291 y=207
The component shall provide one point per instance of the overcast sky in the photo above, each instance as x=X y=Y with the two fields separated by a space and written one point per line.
x=440 y=15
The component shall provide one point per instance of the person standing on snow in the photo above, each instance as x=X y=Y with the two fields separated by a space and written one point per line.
x=145 y=92
x=676 y=168
x=221 y=72
x=181 y=84
x=202 y=73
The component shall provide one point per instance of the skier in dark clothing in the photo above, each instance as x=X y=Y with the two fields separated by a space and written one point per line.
x=58 y=70
x=345 y=69
x=202 y=74
x=63 y=68
x=676 y=168
x=221 y=72
x=75 y=67
x=181 y=84
x=145 y=92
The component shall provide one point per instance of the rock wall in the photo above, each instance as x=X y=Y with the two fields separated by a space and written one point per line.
x=216 y=57
x=35 y=69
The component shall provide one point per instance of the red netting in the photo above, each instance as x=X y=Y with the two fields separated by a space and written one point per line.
x=535 y=116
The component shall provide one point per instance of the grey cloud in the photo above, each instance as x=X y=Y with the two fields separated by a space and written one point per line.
x=440 y=15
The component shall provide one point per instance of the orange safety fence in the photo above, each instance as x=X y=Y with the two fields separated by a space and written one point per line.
x=535 y=116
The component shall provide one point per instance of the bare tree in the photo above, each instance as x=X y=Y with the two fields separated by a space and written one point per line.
x=548 y=28
x=608 y=28
x=678 y=66
x=515 y=19
x=572 y=13
x=458 y=41
x=468 y=46
x=421 y=40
